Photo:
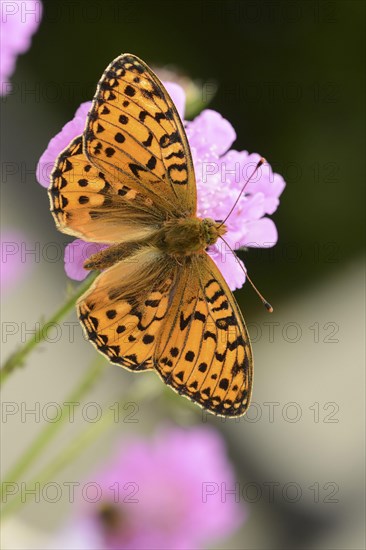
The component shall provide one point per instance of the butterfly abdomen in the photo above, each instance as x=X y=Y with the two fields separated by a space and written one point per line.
x=185 y=236
x=110 y=256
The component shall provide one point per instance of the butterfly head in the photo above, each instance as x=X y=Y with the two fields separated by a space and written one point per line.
x=212 y=230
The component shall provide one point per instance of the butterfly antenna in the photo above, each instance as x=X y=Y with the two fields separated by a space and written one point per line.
x=266 y=304
x=259 y=164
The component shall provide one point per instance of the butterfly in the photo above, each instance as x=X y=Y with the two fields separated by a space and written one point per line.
x=160 y=302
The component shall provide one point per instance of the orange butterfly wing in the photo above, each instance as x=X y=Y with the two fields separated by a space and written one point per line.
x=134 y=131
x=203 y=350
x=88 y=204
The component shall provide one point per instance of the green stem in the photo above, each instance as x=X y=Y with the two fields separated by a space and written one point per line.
x=16 y=359
x=78 y=445
x=49 y=431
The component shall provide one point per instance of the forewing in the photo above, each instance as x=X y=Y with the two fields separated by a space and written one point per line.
x=134 y=131
x=124 y=309
x=93 y=206
x=204 y=352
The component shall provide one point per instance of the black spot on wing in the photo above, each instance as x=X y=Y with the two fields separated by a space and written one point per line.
x=189 y=356
x=183 y=322
x=136 y=169
x=130 y=91
x=200 y=316
x=151 y=163
x=148 y=141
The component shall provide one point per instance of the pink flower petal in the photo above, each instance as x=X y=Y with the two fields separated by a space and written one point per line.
x=261 y=234
x=229 y=265
x=75 y=255
x=209 y=130
x=18 y=22
x=58 y=143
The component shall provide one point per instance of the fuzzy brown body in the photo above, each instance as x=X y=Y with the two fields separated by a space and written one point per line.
x=186 y=236
x=177 y=237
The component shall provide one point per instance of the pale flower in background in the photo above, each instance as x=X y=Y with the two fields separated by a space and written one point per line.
x=14 y=265
x=19 y=20
x=164 y=493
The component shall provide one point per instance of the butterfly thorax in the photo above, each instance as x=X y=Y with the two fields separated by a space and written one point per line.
x=185 y=236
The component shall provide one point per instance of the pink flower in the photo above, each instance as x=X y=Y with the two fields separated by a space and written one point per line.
x=13 y=266
x=159 y=494
x=220 y=174
x=19 y=20
x=75 y=255
x=59 y=142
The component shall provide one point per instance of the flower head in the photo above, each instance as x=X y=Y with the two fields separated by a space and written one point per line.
x=159 y=494
x=19 y=21
x=220 y=172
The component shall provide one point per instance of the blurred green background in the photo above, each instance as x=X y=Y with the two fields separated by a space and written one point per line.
x=291 y=80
